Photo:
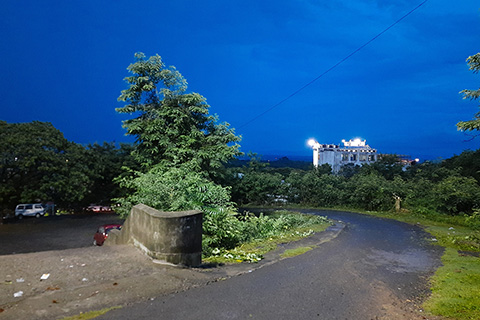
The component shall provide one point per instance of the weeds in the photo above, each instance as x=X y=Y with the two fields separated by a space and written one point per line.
x=91 y=314
x=261 y=234
x=295 y=252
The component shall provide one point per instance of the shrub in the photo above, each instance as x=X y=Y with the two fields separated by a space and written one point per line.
x=456 y=195
x=178 y=189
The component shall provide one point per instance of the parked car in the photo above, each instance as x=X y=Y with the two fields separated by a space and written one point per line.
x=29 y=210
x=95 y=208
x=102 y=233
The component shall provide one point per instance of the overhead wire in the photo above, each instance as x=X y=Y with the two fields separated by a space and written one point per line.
x=332 y=67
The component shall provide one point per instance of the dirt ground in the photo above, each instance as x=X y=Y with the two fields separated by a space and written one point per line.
x=85 y=279
x=93 y=278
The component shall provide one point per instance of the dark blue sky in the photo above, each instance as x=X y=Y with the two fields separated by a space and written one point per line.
x=64 y=62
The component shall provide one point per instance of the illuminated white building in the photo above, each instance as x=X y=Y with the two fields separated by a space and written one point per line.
x=354 y=151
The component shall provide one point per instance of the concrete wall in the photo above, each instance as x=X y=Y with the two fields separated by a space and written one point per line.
x=173 y=237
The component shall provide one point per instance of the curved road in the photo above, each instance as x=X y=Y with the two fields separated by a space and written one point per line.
x=375 y=269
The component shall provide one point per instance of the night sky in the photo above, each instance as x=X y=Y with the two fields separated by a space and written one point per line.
x=64 y=62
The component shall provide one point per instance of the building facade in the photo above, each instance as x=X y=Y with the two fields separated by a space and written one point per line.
x=354 y=151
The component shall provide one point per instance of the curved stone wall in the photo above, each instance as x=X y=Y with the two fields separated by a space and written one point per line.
x=171 y=237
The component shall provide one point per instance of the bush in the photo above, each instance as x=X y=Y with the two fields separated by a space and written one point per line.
x=221 y=230
x=265 y=226
x=456 y=195
x=370 y=192
x=314 y=188
x=178 y=189
x=473 y=221
x=255 y=187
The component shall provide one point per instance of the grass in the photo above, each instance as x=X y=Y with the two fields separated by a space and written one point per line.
x=91 y=314
x=295 y=252
x=254 y=250
x=456 y=287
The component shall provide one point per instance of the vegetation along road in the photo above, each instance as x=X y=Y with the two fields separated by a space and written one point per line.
x=375 y=269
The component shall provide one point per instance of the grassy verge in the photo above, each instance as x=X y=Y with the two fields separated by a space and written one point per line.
x=295 y=252
x=271 y=231
x=456 y=287
x=91 y=314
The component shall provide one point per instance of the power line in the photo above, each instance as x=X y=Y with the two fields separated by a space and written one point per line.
x=332 y=67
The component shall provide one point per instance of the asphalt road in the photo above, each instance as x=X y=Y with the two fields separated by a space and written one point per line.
x=52 y=233
x=375 y=269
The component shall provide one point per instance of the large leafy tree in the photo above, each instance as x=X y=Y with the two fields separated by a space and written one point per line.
x=474 y=124
x=174 y=133
x=38 y=164
x=173 y=127
x=181 y=147
x=105 y=162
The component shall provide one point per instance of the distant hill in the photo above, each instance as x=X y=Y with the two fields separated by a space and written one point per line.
x=299 y=162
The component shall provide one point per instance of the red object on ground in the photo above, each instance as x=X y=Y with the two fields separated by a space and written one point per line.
x=102 y=233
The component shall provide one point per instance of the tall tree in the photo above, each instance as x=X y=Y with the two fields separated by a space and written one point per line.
x=105 y=162
x=38 y=164
x=474 y=124
x=174 y=134
x=173 y=127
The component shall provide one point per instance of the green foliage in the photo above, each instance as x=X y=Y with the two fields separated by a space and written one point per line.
x=265 y=226
x=316 y=189
x=176 y=189
x=474 y=124
x=254 y=184
x=38 y=164
x=295 y=252
x=467 y=164
x=388 y=166
x=456 y=287
x=456 y=195
x=181 y=148
x=420 y=196
x=171 y=126
x=323 y=169
x=105 y=163
x=283 y=165
x=473 y=221
x=430 y=171
x=349 y=170
x=448 y=187
x=257 y=187
x=173 y=189
x=370 y=192
x=179 y=189
x=260 y=234
x=221 y=231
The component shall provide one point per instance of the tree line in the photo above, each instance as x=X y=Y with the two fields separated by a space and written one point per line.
x=38 y=164
x=181 y=155
x=451 y=186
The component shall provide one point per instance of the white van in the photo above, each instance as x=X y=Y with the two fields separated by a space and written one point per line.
x=32 y=210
